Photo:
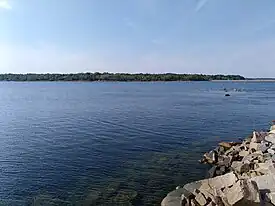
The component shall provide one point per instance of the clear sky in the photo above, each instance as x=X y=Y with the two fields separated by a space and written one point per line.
x=155 y=36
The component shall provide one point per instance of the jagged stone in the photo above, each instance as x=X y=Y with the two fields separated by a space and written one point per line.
x=240 y=167
x=249 y=158
x=265 y=182
x=201 y=199
x=254 y=146
x=212 y=172
x=211 y=157
x=243 y=192
x=216 y=183
x=265 y=168
x=225 y=145
x=270 y=138
x=258 y=136
x=253 y=174
x=271 y=197
x=243 y=153
x=271 y=151
x=263 y=147
x=176 y=197
x=225 y=160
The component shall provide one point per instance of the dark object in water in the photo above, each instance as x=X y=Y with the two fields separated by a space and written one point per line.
x=227 y=95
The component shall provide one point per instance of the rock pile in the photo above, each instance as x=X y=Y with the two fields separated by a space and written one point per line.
x=242 y=174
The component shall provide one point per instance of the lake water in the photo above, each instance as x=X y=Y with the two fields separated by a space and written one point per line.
x=64 y=143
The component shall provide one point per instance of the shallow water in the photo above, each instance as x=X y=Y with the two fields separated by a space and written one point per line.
x=65 y=143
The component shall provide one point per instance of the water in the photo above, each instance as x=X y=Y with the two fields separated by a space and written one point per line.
x=117 y=143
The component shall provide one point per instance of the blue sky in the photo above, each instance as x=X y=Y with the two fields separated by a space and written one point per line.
x=155 y=36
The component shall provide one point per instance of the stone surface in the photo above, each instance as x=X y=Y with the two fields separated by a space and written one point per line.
x=201 y=199
x=240 y=167
x=243 y=192
x=224 y=160
x=271 y=197
x=255 y=146
x=226 y=145
x=263 y=147
x=249 y=158
x=243 y=153
x=271 y=151
x=265 y=168
x=270 y=138
x=265 y=182
x=212 y=184
x=258 y=136
x=175 y=197
x=211 y=157
x=212 y=172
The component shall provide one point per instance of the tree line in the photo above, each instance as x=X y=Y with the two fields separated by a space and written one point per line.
x=116 y=77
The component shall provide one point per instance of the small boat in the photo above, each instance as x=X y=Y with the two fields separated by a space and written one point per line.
x=227 y=95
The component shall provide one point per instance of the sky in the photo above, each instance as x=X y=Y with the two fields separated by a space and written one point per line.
x=152 y=36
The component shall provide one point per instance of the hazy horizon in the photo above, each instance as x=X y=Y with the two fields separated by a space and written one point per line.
x=142 y=36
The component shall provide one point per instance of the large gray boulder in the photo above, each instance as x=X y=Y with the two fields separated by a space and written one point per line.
x=242 y=193
x=216 y=183
x=270 y=138
x=258 y=136
x=240 y=167
x=265 y=182
x=176 y=197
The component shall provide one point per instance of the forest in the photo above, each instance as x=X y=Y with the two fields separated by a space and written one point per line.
x=116 y=77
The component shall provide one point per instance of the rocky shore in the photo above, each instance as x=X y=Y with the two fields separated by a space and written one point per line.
x=242 y=174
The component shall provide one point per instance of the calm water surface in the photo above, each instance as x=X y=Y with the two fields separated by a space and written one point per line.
x=117 y=143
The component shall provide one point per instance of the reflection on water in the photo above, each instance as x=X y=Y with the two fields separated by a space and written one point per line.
x=117 y=143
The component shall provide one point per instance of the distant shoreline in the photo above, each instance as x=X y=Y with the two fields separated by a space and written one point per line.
x=119 y=77
x=127 y=77
x=246 y=80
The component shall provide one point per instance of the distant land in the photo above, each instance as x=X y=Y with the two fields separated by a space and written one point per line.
x=117 y=77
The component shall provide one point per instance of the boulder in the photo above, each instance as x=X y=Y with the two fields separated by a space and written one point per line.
x=255 y=146
x=201 y=199
x=211 y=157
x=208 y=185
x=225 y=145
x=271 y=151
x=265 y=168
x=243 y=153
x=228 y=145
x=258 y=136
x=263 y=147
x=212 y=172
x=271 y=197
x=240 y=167
x=225 y=160
x=242 y=193
x=270 y=138
x=249 y=158
x=176 y=197
x=265 y=182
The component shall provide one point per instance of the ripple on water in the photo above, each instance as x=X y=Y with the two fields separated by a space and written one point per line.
x=116 y=143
